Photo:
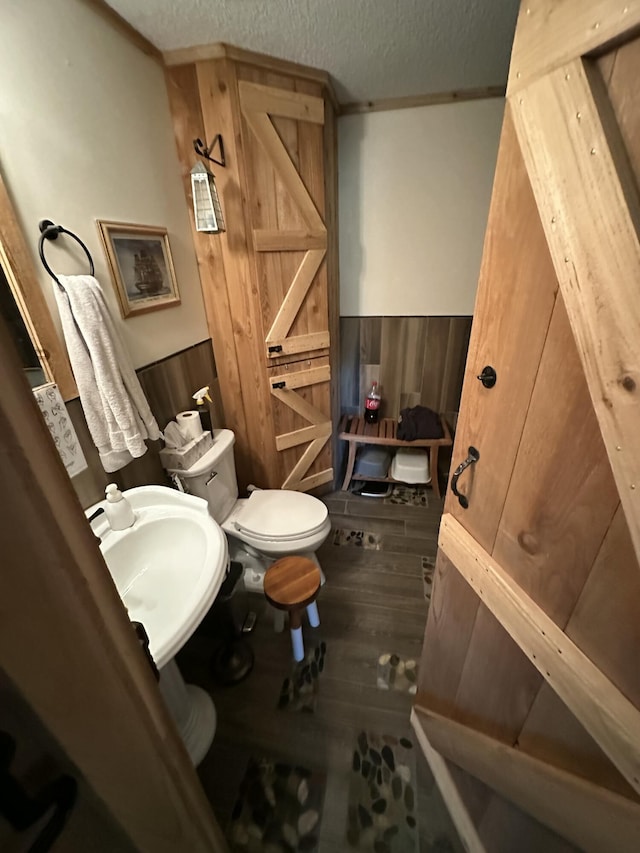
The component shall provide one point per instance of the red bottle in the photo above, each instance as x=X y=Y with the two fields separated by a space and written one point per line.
x=372 y=405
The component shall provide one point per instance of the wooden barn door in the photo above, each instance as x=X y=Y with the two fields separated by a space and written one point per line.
x=529 y=679
x=283 y=137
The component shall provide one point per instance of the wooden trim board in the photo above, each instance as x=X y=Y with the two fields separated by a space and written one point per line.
x=550 y=33
x=587 y=198
x=281 y=102
x=299 y=436
x=315 y=480
x=461 y=818
x=430 y=99
x=609 y=717
x=267 y=240
x=302 y=378
x=589 y=816
x=220 y=50
x=299 y=343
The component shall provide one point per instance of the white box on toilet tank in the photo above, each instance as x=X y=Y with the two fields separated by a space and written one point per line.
x=213 y=476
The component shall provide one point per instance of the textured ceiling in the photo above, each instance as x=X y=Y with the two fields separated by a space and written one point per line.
x=372 y=48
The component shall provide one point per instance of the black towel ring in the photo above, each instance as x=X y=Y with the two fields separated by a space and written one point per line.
x=49 y=231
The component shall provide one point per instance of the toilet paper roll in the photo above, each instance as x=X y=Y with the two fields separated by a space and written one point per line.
x=190 y=425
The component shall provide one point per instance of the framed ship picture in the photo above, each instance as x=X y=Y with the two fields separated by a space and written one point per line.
x=141 y=266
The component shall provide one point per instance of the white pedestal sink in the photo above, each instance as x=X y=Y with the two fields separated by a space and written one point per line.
x=168 y=568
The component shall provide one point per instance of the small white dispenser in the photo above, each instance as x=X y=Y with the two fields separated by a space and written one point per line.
x=119 y=511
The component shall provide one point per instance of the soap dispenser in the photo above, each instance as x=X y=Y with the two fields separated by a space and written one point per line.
x=119 y=511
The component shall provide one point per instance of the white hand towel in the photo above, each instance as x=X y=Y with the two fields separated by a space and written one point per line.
x=117 y=412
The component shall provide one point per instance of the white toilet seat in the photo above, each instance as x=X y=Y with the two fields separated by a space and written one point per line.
x=279 y=514
x=275 y=521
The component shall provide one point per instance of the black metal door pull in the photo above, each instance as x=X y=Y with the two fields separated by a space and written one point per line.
x=23 y=811
x=473 y=456
x=488 y=377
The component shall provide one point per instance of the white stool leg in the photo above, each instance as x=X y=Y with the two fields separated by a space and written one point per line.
x=298 y=644
x=313 y=615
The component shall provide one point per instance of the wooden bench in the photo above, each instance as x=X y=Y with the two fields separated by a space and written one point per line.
x=357 y=431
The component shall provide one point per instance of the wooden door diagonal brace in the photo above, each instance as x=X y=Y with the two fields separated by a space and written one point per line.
x=589 y=207
x=609 y=717
x=295 y=295
x=267 y=136
x=591 y=817
x=304 y=463
x=292 y=399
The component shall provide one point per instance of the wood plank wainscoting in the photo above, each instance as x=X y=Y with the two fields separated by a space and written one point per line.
x=168 y=384
x=415 y=360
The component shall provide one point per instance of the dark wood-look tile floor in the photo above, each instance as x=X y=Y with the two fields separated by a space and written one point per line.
x=372 y=603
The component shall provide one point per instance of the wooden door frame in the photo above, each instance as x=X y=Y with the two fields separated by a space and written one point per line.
x=582 y=184
x=20 y=270
x=68 y=647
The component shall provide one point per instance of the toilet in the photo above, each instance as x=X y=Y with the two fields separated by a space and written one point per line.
x=269 y=524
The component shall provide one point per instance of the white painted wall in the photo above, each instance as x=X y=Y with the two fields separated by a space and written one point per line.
x=86 y=134
x=415 y=186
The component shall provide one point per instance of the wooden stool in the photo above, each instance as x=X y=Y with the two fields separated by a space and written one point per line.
x=292 y=584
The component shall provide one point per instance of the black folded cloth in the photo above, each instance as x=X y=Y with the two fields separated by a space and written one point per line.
x=419 y=422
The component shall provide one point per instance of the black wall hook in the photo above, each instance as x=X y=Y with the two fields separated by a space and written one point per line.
x=202 y=151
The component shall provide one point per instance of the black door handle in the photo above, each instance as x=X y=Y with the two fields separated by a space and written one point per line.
x=473 y=456
x=22 y=811
x=488 y=377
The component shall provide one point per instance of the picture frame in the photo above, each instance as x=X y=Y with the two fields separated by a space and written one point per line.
x=141 y=266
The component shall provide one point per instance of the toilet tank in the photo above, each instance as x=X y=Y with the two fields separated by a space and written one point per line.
x=213 y=476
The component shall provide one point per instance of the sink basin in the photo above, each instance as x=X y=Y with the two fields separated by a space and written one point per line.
x=168 y=567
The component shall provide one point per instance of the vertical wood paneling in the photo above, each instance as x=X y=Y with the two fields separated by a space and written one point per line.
x=416 y=361
x=310 y=138
x=516 y=295
x=562 y=495
x=567 y=744
x=452 y=614
x=494 y=659
x=350 y=359
x=605 y=623
x=168 y=385
x=435 y=358
x=333 y=272
x=219 y=100
x=184 y=100
x=456 y=359
x=370 y=338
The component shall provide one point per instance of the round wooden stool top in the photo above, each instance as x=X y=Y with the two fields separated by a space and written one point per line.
x=291 y=582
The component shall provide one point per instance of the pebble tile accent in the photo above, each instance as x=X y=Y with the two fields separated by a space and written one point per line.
x=278 y=810
x=411 y=495
x=381 y=816
x=300 y=689
x=428 y=568
x=394 y=673
x=358 y=539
